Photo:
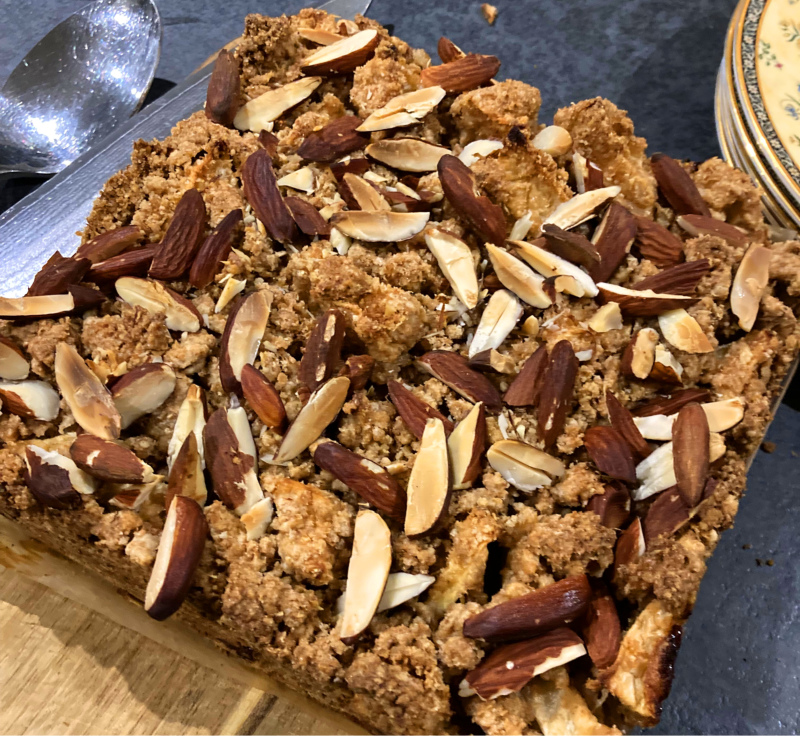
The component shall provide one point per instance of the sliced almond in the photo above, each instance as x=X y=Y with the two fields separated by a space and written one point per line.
x=89 y=401
x=558 y=388
x=338 y=138
x=317 y=35
x=214 y=250
x=697 y=225
x=14 y=365
x=549 y=265
x=622 y=420
x=367 y=573
x=191 y=419
x=407 y=154
x=453 y=370
x=342 y=56
x=517 y=277
x=322 y=408
x=640 y=354
x=456 y=262
x=491 y=360
x=364 y=194
x=26 y=307
x=224 y=90
x=690 y=450
x=680 y=279
x=463 y=74
x=500 y=316
x=233 y=287
x=521 y=228
x=677 y=186
x=607 y=318
x=580 y=208
x=33 y=399
x=366 y=478
x=358 y=368
x=612 y=239
x=241 y=340
x=657 y=244
x=554 y=140
x=302 y=179
x=110 y=243
x=323 y=350
x=429 y=482
x=263 y=398
x=132 y=496
x=682 y=331
x=523 y=466
x=380 y=227
x=55 y=480
x=749 y=285
x=268 y=107
x=669 y=512
x=186 y=474
x=610 y=453
x=466 y=446
x=261 y=191
x=131 y=263
x=414 y=411
x=142 y=390
x=405 y=109
x=183 y=238
x=479 y=149
x=613 y=506
x=643 y=303
x=510 y=667
x=400 y=588
x=155 y=298
x=525 y=388
x=571 y=246
x=179 y=552
x=721 y=415
x=666 y=367
x=630 y=545
x=258 y=518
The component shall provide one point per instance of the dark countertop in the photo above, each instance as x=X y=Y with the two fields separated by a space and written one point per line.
x=738 y=669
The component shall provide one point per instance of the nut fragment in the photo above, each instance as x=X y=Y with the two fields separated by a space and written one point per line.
x=224 y=90
x=551 y=265
x=721 y=415
x=607 y=318
x=510 y=667
x=630 y=545
x=405 y=109
x=381 y=226
x=657 y=244
x=186 y=474
x=179 y=551
x=429 y=482
x=558 y=387
x=610 y=453
x=342 y=56
x=263 y=398
x=367 y=573
x=241 y=339
x=55 y=480
x=613 y=505
x=455 y=261
x=190 y=420
x=261 y=191
x=323 y=350
x=612 y=239
x=182 y=240
x=697 y=225
x=523 y=466
x=498 y=319
x=479 y=149
x=622 y=420
x=749 y=285
x=414 y=411
x=461 y=75
x=338 y=138
x=466 y=445
x=690 y=452
x=680 y=279
x=682 y=331
x=322 y=408
x=448 y=51
x=89 y=401
x=400 y=587
x=602 y=631
x=640 y=354
x=525 y=388
x=26 y=307
x=257 y=519
x=580 y=208
x=152 y=296
x=491 y=360
x=362 y=193
x=666 y=367
x=214 y=250
x=142 y=390
x=643 y=303
x=366 y=478
x=517 y=277
x=13 y=364
x=317 y=35
x=110 y=243
x=259 y=112
x=358 y=368
x=554 y=140
x=407 y=154
x=109 y=461
x=677 y=186
x=453 y=370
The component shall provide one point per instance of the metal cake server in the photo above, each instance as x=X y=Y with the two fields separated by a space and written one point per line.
x=84 y=78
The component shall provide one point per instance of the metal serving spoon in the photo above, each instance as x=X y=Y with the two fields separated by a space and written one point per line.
x=85 y=77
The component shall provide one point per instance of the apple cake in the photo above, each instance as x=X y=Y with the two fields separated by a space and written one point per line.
x=426 y=408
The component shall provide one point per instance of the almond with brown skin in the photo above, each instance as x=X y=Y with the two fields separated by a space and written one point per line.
x=571 y=246
x=612 y=239
x=364 y=477
x=414 y=411
x=458 y=184
x=224 y=94
x=110 y=243
x=461 y=75
x=532 y=614
x=338 y=138
x=263 y=398
x=645 y=302
x=179 y=552
x=182 y=240
x=131 y=263
x=669 y=512
x=358 y=368
x=429 y=482
x=323 y=349
x=186 y=474
x=525 y=388
x=89 y=401
x=359 y=194
x=680 y=279
x=697 y=225
x=558 y=388
x=51 y=479
x=610 y=453
x=261 y=191
x=448 y=51
x=142 y=390
x=241 y=338
x=602 y=631
x=613 y=505
x=630 y=545
x=33 y=399
x=58 y=274
x=358 y=166
x=307 y=217
x=342 y=56
x=14 y=365
x=677 y=186
x=666 y=368
x=691 y=450
x=466 y=446
x=640 y=354
x=109 y=461
x=491 y=360
x=453 y=370
x=214 y=250
x=269 y=142
x=622 y=421
x=673 y=403
x=657 y=244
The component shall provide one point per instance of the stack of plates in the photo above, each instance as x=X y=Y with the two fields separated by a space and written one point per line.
x=758 y=102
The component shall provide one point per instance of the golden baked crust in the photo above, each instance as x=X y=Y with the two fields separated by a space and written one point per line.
x=269 y=583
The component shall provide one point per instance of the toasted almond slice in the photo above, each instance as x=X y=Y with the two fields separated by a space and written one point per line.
x=630 y=545
x=453 y=370
x=571 y=246
x=365 y=195
x=342 y=56
x=429 y=483
x=233 y=287
x=186 y=476
x=89 y=401
x=54 y=479
x=14 y=365
x=498 y=319
x=25 y=307
x=749 y=285
x=156 y=298
x=580 y=208
x=491 y=360
x=456 y=262
x=405 y=109
x=34 y=399
x=323 y=349
x=682 y=331
x=721 y=415
x=380 y=227
x=322 y=408
x=523 y=465
x=666 y=367
x=241 y=339
x=640 y=355
x=521 y=227
x=478 y=149
x=367 y=573
x=317 y=35
x=517 y=277
x=302 y=179
x=108 y=461
x=400 y=587
x=407 y=154
x=466 y=445
x=265 y=109
x=697 y=225
x=607 y=318
x=190 y=420
x=554 y=140
x=179 y=551
x=132 y=496
x=142 y=390
x=643 y=303
x=549 y=264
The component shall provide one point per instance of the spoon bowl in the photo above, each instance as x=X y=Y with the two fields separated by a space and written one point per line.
x=84 y=78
